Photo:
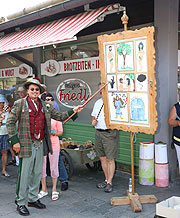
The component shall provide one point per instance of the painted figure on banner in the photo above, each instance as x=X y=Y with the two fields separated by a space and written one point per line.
x=126 y=82
x=125 y=56
x=112 y=82
x=141 y=56
x=118 y=104
x=121 y=81
x=110 y=59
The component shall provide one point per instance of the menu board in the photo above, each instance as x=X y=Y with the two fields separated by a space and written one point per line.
x=127 y=61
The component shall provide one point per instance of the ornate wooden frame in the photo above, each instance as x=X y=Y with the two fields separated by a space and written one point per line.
x=114 y=39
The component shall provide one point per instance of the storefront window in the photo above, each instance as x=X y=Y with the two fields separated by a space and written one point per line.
x=7 y=61
x=78 y=51
x=9 y=64
x=7 y=83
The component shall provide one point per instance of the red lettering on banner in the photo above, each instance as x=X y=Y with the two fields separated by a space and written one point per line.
x=77 y=66
x=79 y=95
x=64 y=66
x=61 y=94
x=73 y=96
x=97 y=64
x=66 y=95
x=89 y=65
x=9 y=73
x=82 y=66
x=2 y=73
x=85 y=98
x=85 y=65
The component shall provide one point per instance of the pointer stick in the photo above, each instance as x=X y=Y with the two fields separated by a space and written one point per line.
x=87 y=101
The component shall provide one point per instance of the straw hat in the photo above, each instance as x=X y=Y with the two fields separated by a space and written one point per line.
x=35 y=82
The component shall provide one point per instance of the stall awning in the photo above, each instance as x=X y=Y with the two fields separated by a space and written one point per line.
x=50 y=33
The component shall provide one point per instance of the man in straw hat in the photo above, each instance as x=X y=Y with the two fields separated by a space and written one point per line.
x=32 y=141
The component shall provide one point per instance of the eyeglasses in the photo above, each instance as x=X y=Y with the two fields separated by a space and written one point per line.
x=37 y=89
x=49 y=99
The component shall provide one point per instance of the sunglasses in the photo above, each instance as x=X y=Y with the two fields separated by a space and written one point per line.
x=49 y=99
x=37 y=89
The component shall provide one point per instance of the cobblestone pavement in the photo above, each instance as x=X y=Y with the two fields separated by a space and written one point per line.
x=83 y=199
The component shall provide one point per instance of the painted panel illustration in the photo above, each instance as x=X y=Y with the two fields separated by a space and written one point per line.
x=141 y=82
x=110 y=56
x=118 y=107
x=112 y=82
x=139 y=112
x=126 y=82
x=125 y=56
x=127 y=64
x=141 y=56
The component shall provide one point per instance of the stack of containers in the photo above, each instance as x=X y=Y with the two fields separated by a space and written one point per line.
x=146 y=163
x=161 y=165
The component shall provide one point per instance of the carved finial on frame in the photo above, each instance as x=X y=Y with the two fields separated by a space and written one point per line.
x=124 y=20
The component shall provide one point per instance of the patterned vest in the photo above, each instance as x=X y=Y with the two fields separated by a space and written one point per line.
x=37 y=120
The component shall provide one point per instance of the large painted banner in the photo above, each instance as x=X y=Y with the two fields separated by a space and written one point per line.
x=127 y=61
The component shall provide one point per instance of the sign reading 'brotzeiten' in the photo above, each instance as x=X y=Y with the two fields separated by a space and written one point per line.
x=52 y=67
x=73 y=92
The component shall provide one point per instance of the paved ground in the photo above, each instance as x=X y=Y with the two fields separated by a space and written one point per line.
x=83 y=199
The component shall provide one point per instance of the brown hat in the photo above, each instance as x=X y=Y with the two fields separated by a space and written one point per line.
x=35 y=82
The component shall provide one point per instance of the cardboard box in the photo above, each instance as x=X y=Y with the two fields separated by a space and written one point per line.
x=167 y=208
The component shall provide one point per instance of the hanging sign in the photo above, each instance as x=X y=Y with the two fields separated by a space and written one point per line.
x=127 y=62
x=52 y=67
x=23 y=71
x=73 y=92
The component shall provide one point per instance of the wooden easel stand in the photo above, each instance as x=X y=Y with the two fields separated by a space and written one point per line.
x=133 y=199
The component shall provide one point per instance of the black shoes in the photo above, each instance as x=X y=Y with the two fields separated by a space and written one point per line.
x=37 y=204
x=22 y=210
x=64 y=186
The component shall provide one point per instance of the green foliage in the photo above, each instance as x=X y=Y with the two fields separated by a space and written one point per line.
x=124 y=49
